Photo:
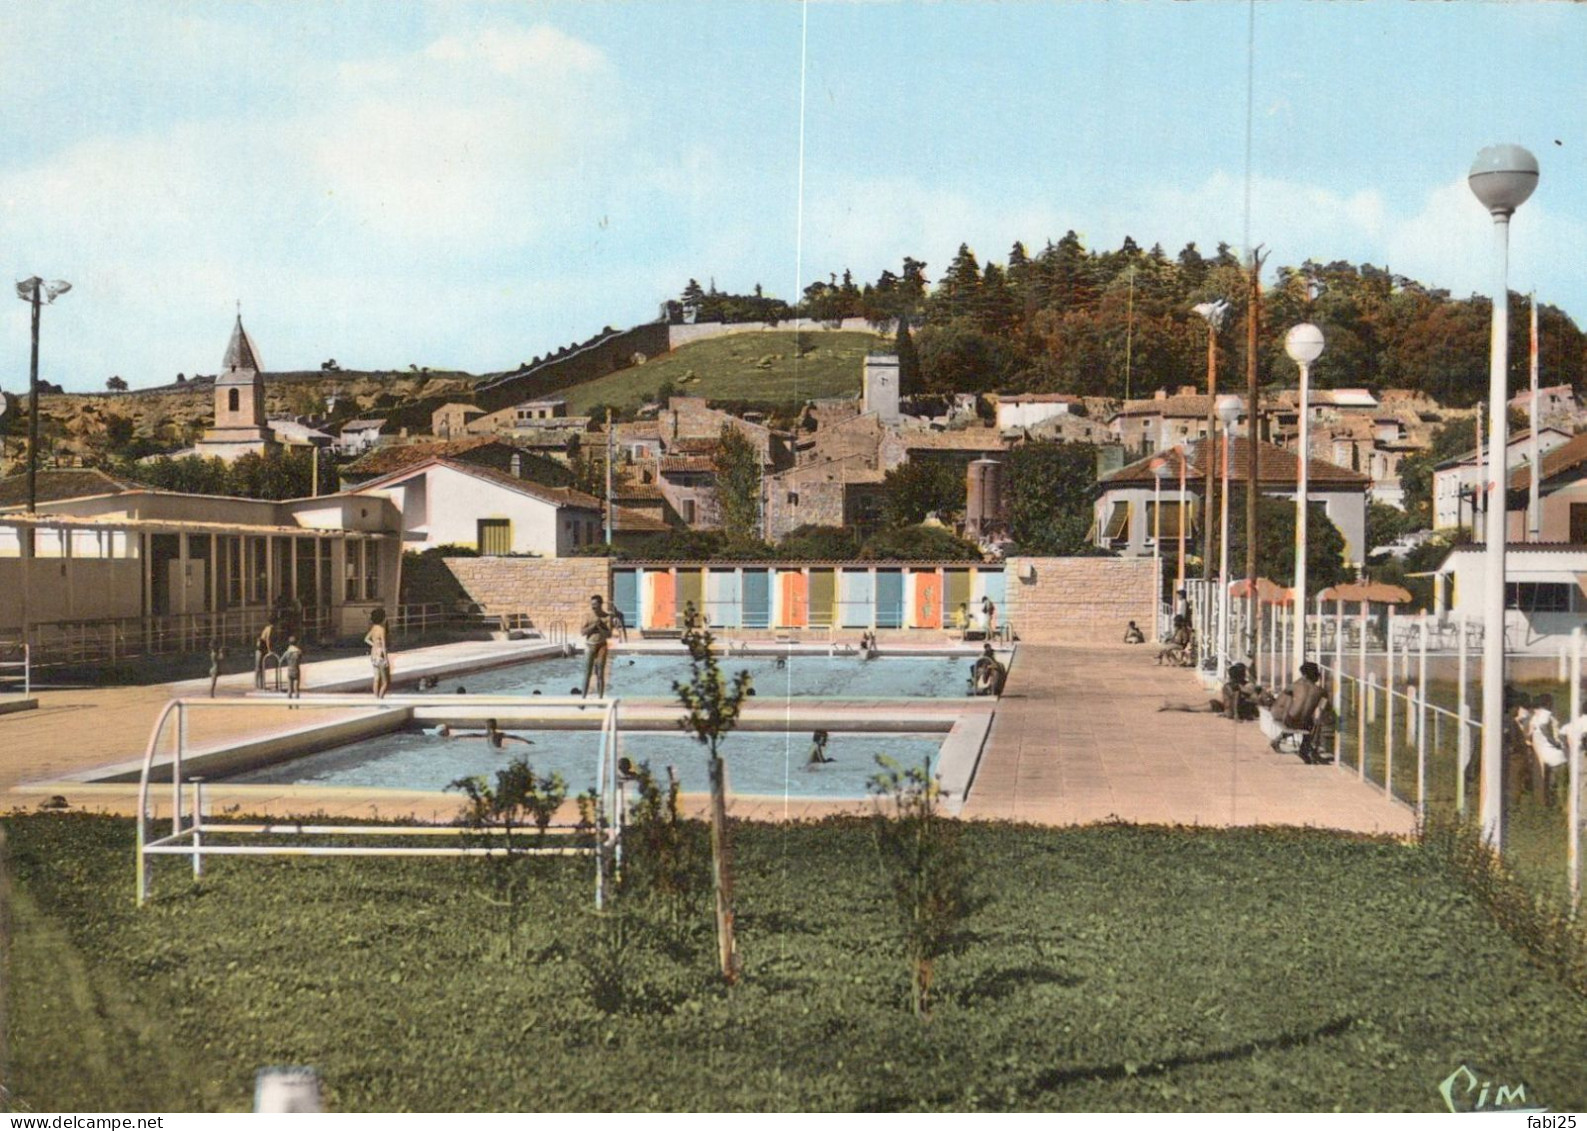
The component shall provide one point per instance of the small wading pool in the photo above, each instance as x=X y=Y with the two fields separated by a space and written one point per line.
x=758 y=762
x=651 y=675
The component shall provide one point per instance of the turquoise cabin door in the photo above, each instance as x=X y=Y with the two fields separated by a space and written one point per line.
x=625 y=595
x=722 y=608
x=757 y=598
x=889 y=598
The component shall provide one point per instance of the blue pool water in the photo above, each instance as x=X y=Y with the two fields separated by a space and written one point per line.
x=645 y=674
x=759 y=762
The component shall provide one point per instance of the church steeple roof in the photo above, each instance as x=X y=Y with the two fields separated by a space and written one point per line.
x=240 y=352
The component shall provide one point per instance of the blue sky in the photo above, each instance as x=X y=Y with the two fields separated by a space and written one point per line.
x=470 y=185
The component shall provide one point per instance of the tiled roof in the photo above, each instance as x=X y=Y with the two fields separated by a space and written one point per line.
x=687 y=463
x=1196 y=407
x=1568 y=457
x=56 y=483
x=1278 y=466
x=383 y=461
x=627 y=520
x=1037 y=398
x=964 y=439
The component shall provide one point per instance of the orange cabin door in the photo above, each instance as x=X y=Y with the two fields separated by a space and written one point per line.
x=663 y=602
x=795 y=600
x=928 y=599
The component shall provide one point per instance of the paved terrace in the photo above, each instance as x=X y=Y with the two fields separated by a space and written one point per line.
x=1078 y=737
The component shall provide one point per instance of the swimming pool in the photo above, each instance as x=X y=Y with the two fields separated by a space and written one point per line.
x=759 y=762
x=651 y=675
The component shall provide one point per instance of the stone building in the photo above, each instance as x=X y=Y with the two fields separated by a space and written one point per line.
x=240 y=422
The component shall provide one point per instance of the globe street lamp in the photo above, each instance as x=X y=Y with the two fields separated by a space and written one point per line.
x=1228 y=413
x=1304 y=344
x=1159 y=473
x=1502 y=178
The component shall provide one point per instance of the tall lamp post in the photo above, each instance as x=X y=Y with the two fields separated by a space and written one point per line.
x=1214 y=314
x=1304 y=344
x=1159 y=473
x=1228 y=413
x=37 y=292
x=1179 y=577
x=1502 y=178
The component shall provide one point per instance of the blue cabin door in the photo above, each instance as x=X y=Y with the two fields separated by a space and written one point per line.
x=854 y=598
x=889 y=598
x=625 y=595
x=757 y=598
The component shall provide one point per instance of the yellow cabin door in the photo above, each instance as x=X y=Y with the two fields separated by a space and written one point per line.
x=663 y=602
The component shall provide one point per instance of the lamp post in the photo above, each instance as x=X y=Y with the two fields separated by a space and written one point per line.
x=1159 y=473
x=36 y=292
x=1502 y=178
x=1179 y=577
x=1304 y=344
x=1228 y=413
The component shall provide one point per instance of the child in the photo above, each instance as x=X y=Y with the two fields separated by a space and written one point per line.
x=216 y=655
x=292 y=660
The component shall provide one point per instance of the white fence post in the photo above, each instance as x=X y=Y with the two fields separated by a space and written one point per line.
x=1367 y=687
x=1464 y=747
x=1573 y=842
x=1421 y=725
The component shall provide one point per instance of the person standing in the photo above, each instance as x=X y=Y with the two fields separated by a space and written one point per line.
x=379 y=654
x=597 y=631
x=292 y=660
x=216 y=655
x=261 y=650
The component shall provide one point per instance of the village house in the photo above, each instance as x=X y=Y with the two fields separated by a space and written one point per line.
x=480 y=451
x=452 y=419
x=1162 y=420
x=1026 y=410
x=1125 y=509
x=1458 y=481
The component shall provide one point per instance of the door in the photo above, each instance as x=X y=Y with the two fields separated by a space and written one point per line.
x=889 y=598
x=928 y=598
x=957 y=584
x=722 y=607
x=795 y=611
x=689 y=589
x=662 y=603
x=625 y=594
x=823 y=593
x=756 y=598
x=855 y=605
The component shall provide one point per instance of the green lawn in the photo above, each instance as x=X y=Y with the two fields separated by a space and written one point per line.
x=1110 y=968
x=764 y=368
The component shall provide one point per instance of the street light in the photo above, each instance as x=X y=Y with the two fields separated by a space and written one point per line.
x=1304 y=344
x=1502 y=177
x=37 y=292
x=1159 y=473
x=1228 y=413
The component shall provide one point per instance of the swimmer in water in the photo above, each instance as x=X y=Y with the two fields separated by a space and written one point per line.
x=494 y=736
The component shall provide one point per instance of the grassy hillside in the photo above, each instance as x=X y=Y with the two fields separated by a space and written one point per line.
x=766 y=368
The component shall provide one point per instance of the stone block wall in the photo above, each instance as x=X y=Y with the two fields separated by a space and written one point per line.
x=1073 y=599
x=548 y=589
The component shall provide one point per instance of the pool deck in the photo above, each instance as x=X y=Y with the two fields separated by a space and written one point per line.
x=1076 y=738
x=1079 y=737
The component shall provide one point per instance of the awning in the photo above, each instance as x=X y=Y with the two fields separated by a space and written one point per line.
x=1373 y=592
x=1118 y=521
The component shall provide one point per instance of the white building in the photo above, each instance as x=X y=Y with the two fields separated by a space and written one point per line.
x=1544 y=598
x=443 y=502
x=1026 y=410
x=1458 y=479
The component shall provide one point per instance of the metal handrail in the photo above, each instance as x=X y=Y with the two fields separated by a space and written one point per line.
x=26 y=664
x=187 y=838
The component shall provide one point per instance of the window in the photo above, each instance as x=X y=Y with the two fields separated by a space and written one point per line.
x=688 y=511
x=233 y=402
x=793 y=498
x=1578 y=522
x=1538 y=596
x=495 y=536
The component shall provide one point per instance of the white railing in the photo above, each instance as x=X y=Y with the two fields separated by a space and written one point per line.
x=25 y=664
x=189 y=830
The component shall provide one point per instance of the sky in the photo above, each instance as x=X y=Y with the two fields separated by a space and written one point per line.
x=468 y=185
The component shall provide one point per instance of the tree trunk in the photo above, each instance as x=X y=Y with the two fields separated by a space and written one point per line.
x=722 y=872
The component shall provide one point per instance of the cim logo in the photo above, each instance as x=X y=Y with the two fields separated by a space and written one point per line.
x=1465 y=1091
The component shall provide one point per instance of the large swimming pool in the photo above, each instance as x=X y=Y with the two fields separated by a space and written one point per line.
x=759 y=762
x=649 y=674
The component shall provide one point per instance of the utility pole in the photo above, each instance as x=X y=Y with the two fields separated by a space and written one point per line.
x=611 y=446
x=1253 y=478
x=1129 y=332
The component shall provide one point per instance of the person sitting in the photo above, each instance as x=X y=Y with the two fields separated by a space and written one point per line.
x=1547 y=748
x=1134 y=635
x=987 y=674
x=1296 y=708
x=1238 y=700
x=1177 y=649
